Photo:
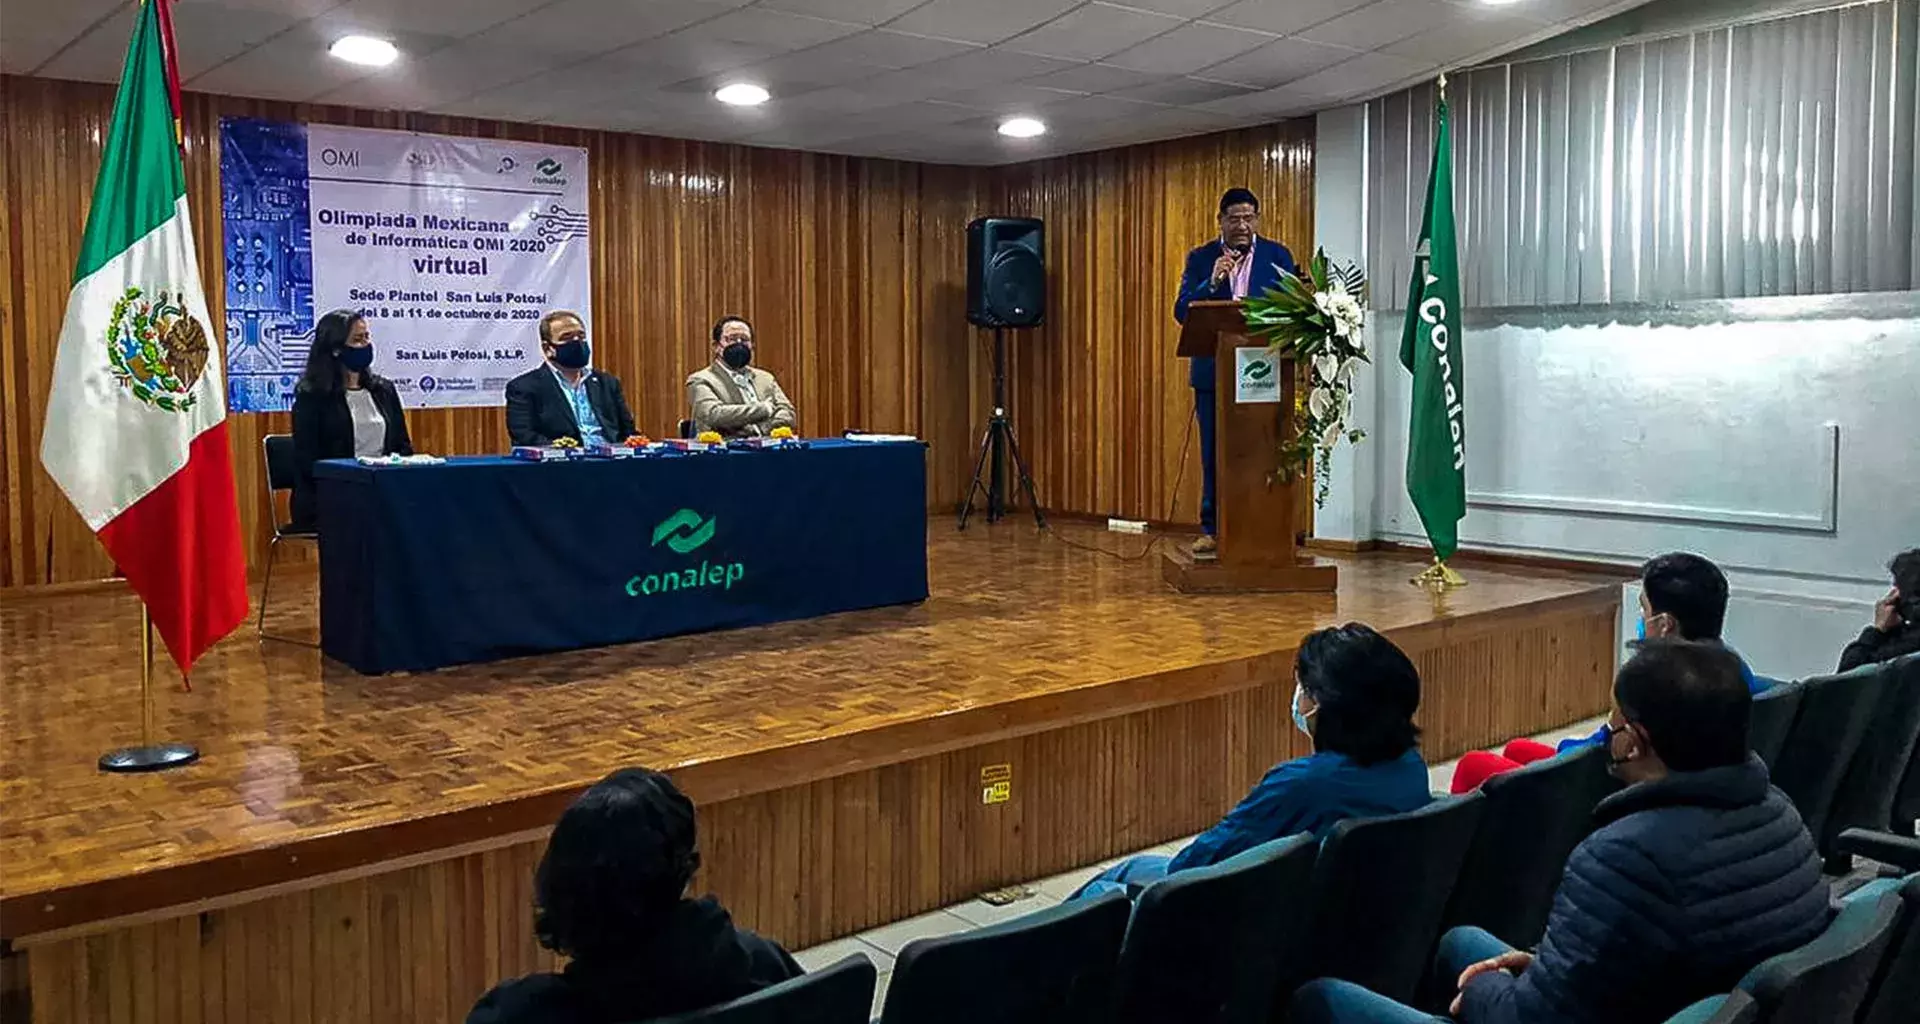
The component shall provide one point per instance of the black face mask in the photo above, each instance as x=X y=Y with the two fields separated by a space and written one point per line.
x=737 y=355
x=571 y=354
x=356 y=359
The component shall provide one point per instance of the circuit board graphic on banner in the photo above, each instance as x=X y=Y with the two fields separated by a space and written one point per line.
x=451 y=247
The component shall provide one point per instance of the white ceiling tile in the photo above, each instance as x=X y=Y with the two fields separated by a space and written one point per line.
x=1092 y=32
x=32 y=31
x=678 y=56
x=1179 y=8
x=1181 y=92
x=443 y=19
x=1283 y=101
x=865 y=12
x=96 y=56
x=986 y=67
x=889 y=49
x=1382 y=22
x=581 y=28
x=836 y=100
x=295 y=65
x=1283 y=16
x=1081 y=112
x=456 y=72
x=1188 y=48
x=1094 y=78
x=1468 y=40
x=793 y=73
x=1280 y=61
x=1363 y=76
x=980 y=21
x=776 y=30
x=1010 y=98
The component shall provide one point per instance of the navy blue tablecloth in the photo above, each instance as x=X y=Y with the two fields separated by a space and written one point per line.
x=484 y=558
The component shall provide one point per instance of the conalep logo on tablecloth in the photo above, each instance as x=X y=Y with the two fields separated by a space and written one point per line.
x=685 y=532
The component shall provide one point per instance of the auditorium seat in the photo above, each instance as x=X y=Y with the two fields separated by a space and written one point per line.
x=1834 y=714
x=1894 y=997
x=840 y=994
x=1774 y=710
x=1054 y=965
x=1736 y=1007
x=1204 y=944
x=1866 y=796
x=1380 y=887
x=1826 y=980
x=1534 y=817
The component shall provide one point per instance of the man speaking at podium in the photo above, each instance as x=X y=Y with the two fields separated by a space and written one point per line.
x=1236 y=264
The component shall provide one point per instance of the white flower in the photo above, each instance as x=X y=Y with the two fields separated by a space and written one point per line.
x=1320 y=402
x=1326 y=366
x=1324 y=301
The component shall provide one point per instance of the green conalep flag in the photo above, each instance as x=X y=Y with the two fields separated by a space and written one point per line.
x=1430 y=349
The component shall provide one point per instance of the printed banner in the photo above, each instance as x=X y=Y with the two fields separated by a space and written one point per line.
x=451 y=247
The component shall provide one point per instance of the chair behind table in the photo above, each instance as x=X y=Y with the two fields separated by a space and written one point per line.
x=1053 y=966
x=1534 y=817
x=1380 y=888
x=839 y=994
x=1204 y=944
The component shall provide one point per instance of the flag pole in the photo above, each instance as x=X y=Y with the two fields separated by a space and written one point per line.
x=148 y=756
x=1439 y=577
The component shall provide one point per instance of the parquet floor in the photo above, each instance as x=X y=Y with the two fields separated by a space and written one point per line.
x=1020 y=631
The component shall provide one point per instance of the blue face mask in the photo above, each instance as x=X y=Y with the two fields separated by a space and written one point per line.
x=1299 y=717
x=357 y=359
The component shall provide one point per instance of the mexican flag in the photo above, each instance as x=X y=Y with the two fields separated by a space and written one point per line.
x=136 y=429
x=1430 y=349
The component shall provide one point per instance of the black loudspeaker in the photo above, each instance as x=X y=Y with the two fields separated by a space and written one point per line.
x=1006 y=272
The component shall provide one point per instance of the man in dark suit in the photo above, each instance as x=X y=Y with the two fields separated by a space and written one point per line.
x=1235 y=265
x=565 y=396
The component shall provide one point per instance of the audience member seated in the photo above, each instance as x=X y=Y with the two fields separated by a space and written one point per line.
x=1699 y=870
x=1896 y=619
x=610 y=894
x=730 y=396
x=1354 y=697
x=565 y=397
x=1681 y=596
x=341 y=408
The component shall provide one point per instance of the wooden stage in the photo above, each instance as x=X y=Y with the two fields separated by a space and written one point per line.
x=361 y=849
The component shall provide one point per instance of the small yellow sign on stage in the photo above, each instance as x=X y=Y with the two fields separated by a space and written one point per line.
x=996 y=783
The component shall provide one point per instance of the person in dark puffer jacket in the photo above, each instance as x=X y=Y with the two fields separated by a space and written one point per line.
x=610 y=893
x=1699 y=870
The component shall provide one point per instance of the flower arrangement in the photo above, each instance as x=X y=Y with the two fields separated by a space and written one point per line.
x=565 y=442
x=781 y=433
x=637 y=441
x=1317 y=319
x=708 y=437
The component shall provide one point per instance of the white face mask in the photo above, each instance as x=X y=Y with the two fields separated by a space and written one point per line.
x=1300 y=717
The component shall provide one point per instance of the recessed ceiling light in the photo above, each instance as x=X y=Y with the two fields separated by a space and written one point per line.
x=368 y=50
x=1022 y=128
x=741 y=94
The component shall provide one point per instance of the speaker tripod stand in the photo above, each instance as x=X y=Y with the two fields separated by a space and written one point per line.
x=997 y=444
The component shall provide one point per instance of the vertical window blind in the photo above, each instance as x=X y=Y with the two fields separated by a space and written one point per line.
x=1764 y=159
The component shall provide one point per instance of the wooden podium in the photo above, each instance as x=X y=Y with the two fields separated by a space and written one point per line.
x=1254 y=508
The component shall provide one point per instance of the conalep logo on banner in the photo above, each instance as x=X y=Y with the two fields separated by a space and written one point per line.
x=685 y=532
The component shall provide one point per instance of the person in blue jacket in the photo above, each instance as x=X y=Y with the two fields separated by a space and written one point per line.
x=1682 y=596
x=1235 y=265
x=1696 y=872
x=1354 y=698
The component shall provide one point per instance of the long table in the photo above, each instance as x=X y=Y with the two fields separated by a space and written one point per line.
x=490 y=557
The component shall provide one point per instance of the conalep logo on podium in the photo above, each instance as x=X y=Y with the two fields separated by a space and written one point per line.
x=685 y=532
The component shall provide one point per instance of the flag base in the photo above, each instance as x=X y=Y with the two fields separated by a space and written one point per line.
x=1439 y=578
x=156 y=757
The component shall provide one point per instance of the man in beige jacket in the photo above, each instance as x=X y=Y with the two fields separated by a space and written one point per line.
x=731 y=396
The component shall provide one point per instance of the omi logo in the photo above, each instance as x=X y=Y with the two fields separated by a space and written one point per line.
x=684 y=533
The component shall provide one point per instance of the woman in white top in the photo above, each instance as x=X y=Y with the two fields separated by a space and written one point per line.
x=341 y=408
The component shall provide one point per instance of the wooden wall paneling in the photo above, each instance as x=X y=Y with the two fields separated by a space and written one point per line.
x=852 y=269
